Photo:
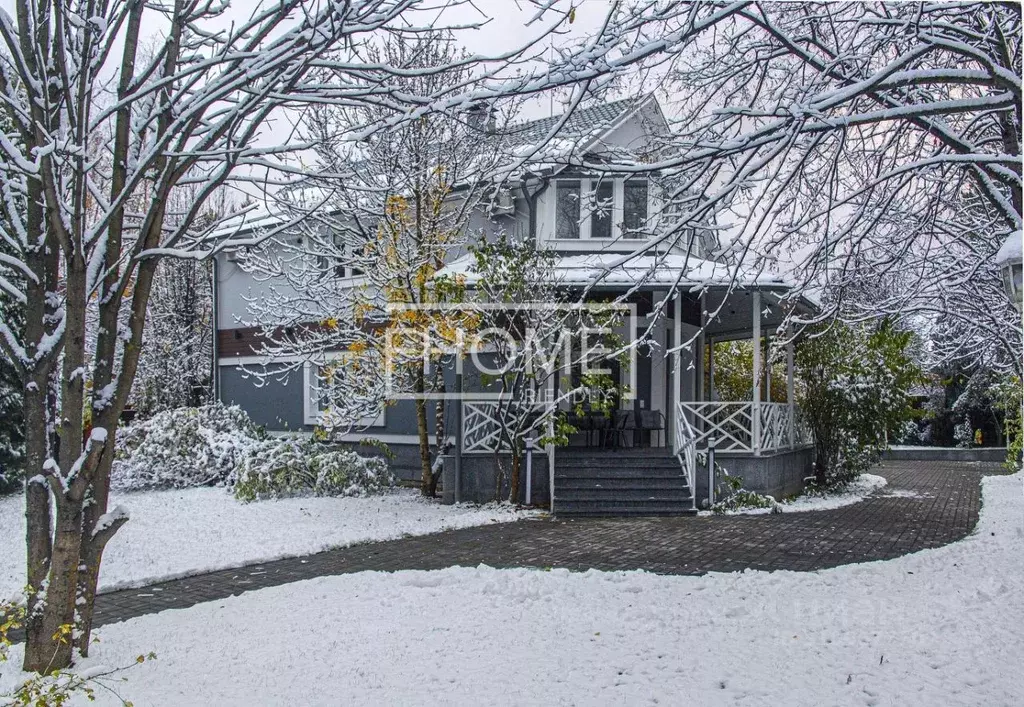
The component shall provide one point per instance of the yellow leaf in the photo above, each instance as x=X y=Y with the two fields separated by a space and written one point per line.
x=572 y=15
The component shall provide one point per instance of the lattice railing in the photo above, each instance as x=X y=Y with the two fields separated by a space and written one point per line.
x=482 y=429
x=774 y=426
x=729 y=423
x=801 y=429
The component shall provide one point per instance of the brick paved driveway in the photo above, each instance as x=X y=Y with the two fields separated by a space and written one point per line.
x=926 y=504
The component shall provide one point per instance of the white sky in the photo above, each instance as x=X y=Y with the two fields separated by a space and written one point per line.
x=504 y=25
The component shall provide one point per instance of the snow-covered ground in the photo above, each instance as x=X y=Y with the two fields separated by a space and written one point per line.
x=858 y=490
x=940 y=627
x=176 y=533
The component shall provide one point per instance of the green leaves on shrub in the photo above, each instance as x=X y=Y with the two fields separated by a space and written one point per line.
x=856 y=387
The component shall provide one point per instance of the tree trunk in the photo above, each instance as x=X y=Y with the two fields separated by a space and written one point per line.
x=421 y=430
x=513 y=484
x=48 y=641
x=440 y=433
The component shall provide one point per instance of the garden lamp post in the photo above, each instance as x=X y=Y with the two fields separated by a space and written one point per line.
x=1009 y=261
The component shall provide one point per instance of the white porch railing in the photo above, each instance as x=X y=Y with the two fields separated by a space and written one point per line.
x=482 y=429
x=686 y=446
x=731 y=425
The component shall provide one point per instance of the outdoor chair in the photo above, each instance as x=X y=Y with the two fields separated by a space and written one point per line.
x=652 y=421
x=625 y=422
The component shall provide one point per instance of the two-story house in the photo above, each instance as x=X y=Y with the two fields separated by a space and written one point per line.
x=647 y=457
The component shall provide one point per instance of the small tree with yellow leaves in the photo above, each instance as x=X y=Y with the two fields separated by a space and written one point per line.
x=374 y=224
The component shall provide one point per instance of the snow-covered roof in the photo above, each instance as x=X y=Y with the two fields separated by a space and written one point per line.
x=1010 y=251
x=583 y=123
x=608 y=270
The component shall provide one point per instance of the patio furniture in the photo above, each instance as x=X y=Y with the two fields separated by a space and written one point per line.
x=625 y=422
x=652 y=421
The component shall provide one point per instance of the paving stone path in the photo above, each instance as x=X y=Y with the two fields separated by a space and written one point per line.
x=926 y=504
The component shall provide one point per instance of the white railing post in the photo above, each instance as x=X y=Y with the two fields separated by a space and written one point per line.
x=755 y=412
x=790 y=397
x=677 y=369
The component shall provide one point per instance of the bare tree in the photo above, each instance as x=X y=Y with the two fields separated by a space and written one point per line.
x=852 y=143
x=374 y=223
x=95 y=125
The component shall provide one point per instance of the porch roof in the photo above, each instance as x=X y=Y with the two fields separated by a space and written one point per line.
x=650 y=272
x=729 y=288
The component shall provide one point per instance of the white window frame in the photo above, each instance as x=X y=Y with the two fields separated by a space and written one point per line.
x=587 y=188
x=311 y=414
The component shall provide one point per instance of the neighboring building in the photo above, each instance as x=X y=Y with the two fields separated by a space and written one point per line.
x=649 y=454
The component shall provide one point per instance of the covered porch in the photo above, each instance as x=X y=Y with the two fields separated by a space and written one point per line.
x=675 y=413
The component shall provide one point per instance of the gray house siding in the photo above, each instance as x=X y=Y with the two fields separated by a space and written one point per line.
x=274 y=403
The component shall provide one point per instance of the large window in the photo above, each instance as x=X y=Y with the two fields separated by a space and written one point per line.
x=604 y=209
x=567 y=209
x=334 y=394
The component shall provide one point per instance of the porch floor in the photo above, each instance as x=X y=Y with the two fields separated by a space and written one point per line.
x=942 y=508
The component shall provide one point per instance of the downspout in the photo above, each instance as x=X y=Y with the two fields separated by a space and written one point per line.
x=215 y=373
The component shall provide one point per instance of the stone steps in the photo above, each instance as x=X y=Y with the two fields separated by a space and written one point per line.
x=620 y=482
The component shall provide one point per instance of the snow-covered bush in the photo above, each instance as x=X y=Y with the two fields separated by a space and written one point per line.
x=733 y=497
x=290 y=467
x=182 y=448
x=217 y=445
x=344 y=473
x=910 y=433
x=963 y=434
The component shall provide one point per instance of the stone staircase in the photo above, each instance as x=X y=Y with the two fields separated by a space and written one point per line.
x=620 y=482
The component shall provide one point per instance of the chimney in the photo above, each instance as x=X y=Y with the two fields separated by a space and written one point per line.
x=480 y=116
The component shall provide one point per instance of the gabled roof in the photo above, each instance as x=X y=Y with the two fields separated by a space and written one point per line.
x=583 y=123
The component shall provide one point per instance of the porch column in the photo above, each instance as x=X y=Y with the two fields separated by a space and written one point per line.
x=711 y=368
x=677 y=369
x=755 y=407
x=698 y=388
x=790 y=398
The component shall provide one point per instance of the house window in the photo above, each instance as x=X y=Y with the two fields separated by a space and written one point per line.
x=603 y=209
x=567 y=210
x=341 y=264
x=330 y=388
x=600 y=209
x=634 y=209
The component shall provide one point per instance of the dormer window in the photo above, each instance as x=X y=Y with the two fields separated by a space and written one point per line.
x=600 y=209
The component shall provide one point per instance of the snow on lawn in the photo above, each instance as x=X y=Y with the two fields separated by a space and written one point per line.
x=856 y=491
x=941 y=627
x=176 y=533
